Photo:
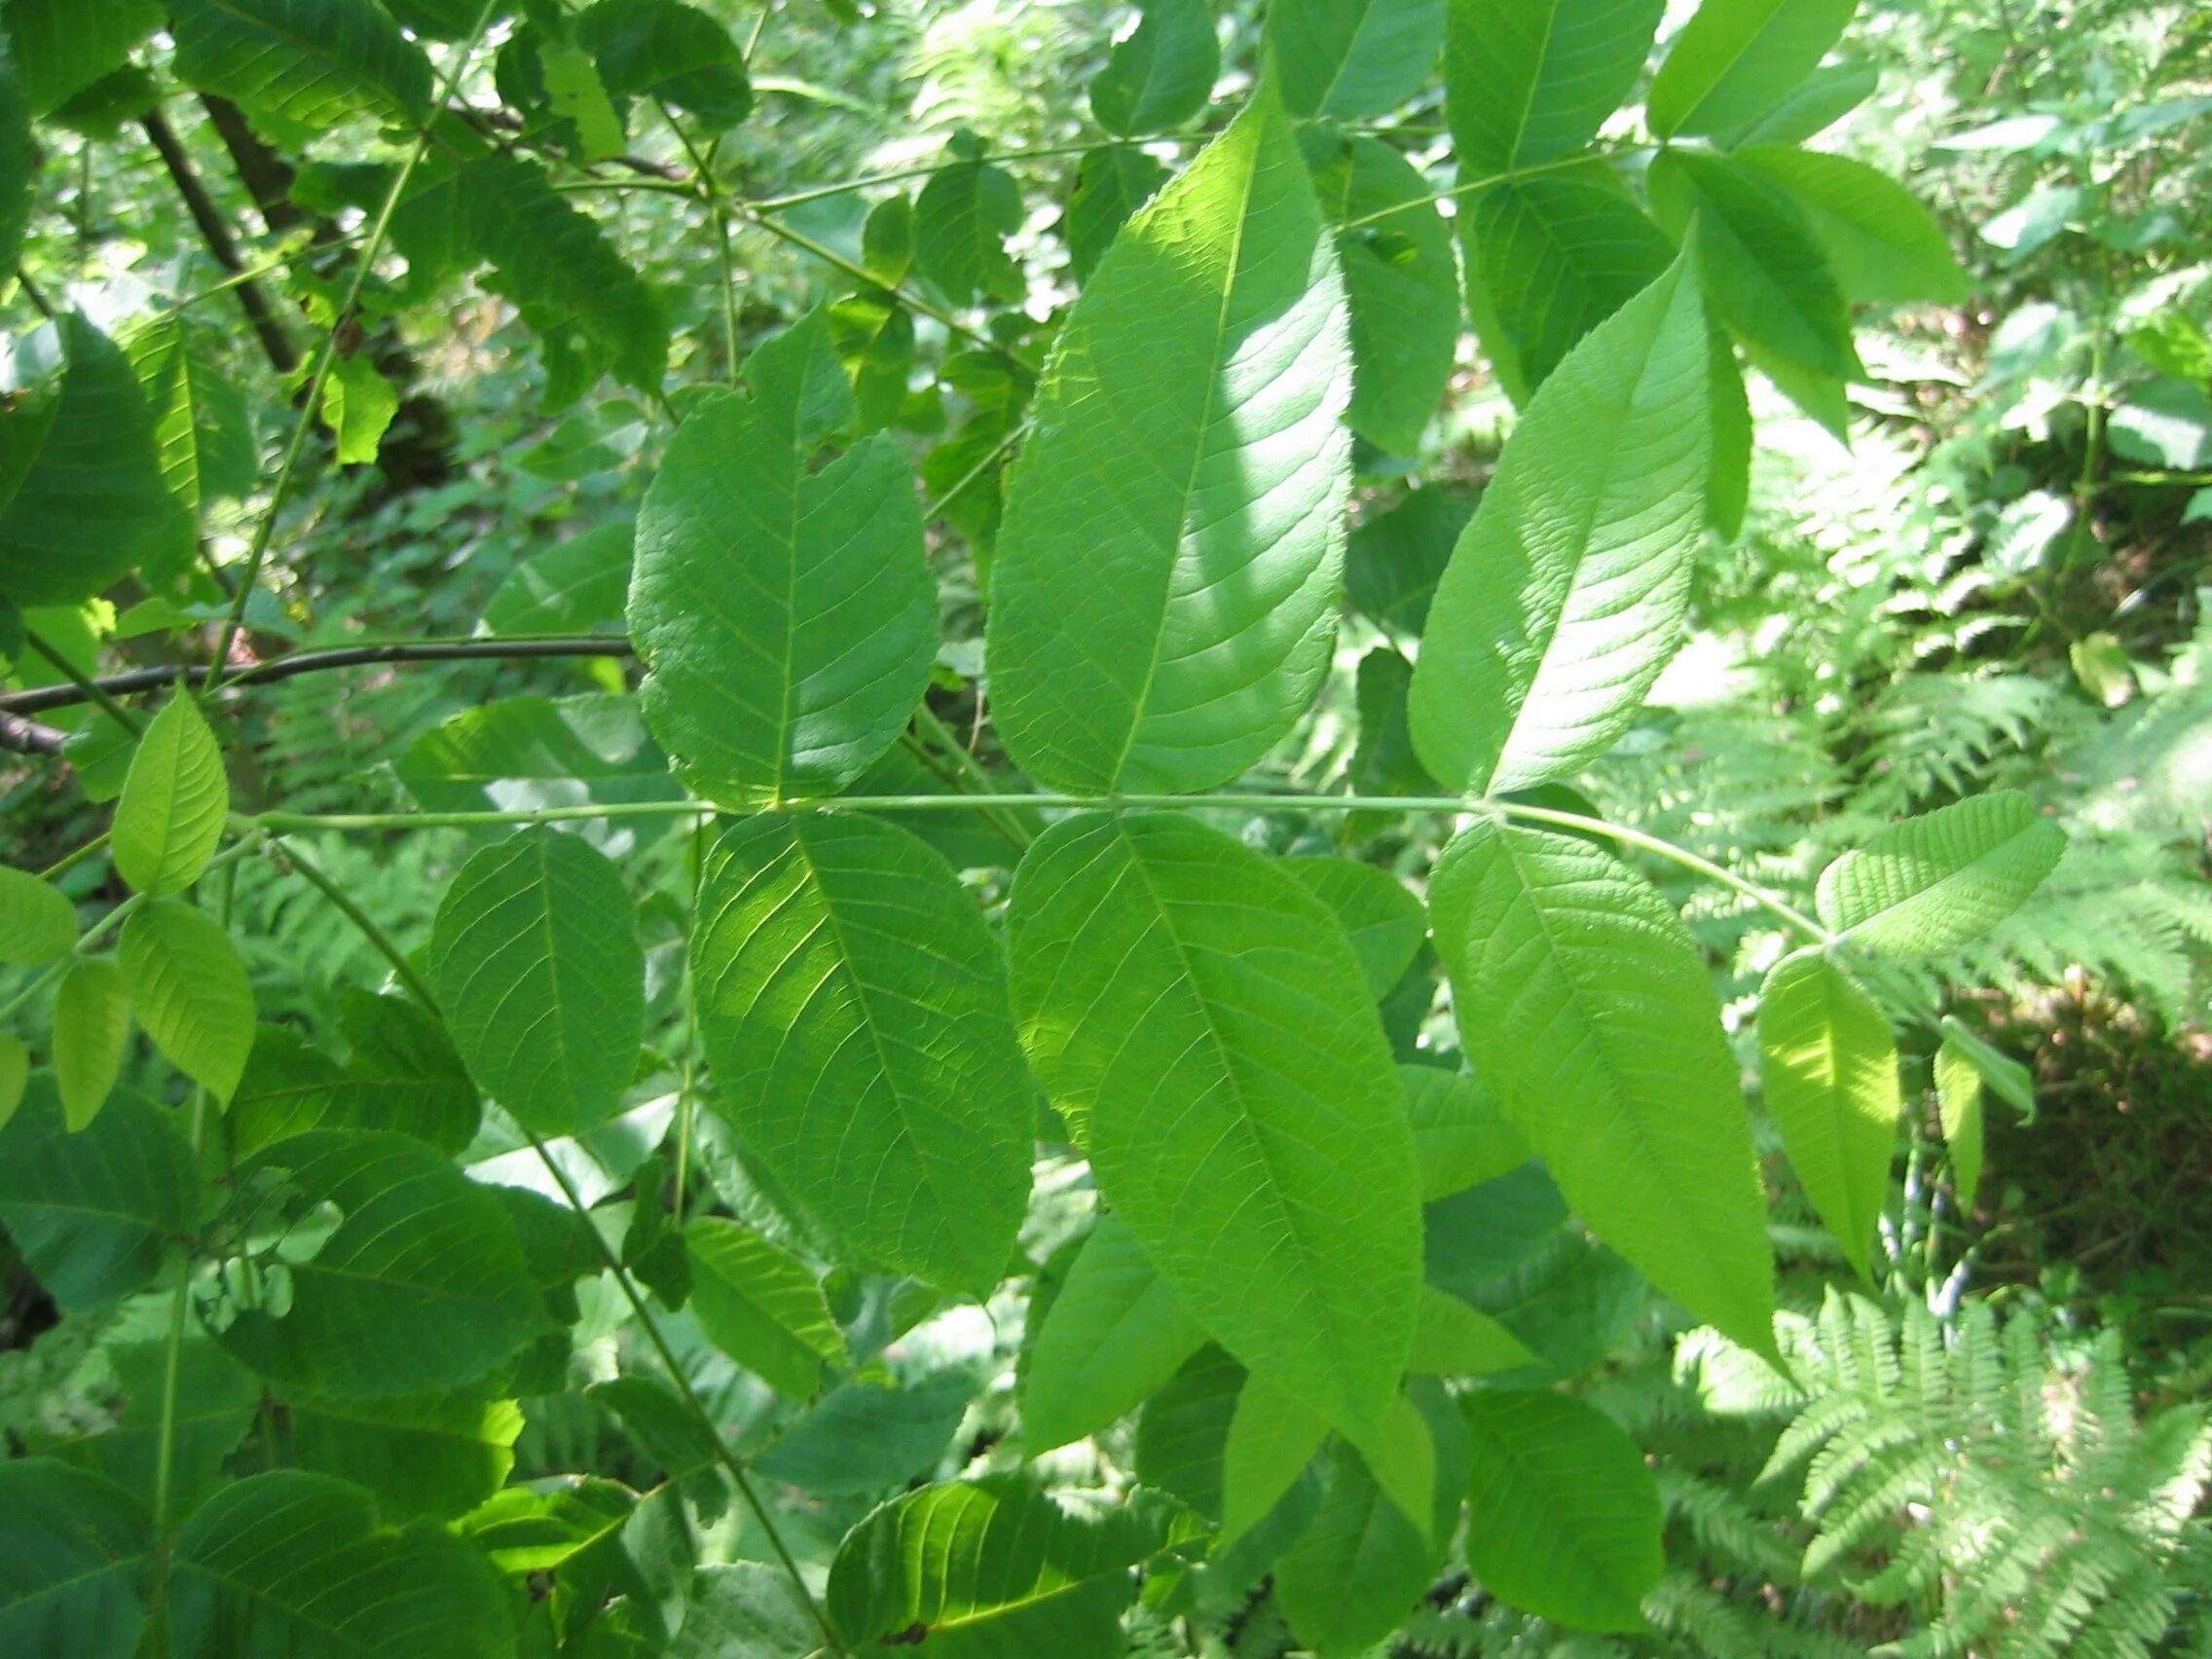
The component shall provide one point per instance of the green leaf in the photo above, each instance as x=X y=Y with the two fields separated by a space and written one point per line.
x=174 y=802
x=1568 y=593
x=1929 y=884
x=91 y=500
x=744 y=1610
x=15 y=1074
x=60 y=49
x=301 y=1560
x=94 y=1210
x=875 y=340
x=309 y=62
x=1830 y=1068
x=1383 y=923
x=1738 y=59
x=418 y=1248
x=1162 y=73
x=437 y=1455
x=214 y=1408
x=2011 y=1081
x=1586 y=1007
x=1400 y=280
x=762 y=1306
x=446 y=19
x=1958 y=1098
x=853 y=1006
x=1113 y=1335
x=189 y=990
x=524 y=751
x=535 y=960
x=1163 y=626
x=1528 y=84
x=1352 y=57
x=1885 y=247
x=1818 y=103
x=1271 y=1438
x=867 y=1436
x=1455 y=1339
x=203 y=429
x=91 y=1028
x=1549 y=258
x=1395 y=558
x=961 y=222
x=1728 y=491
x=73 y=1554
x=1197 y=1016
x=788 y=616
x=1565 y=1517
x=37 y=923
x=576 y=586
x=1111 y=183
x=995 y=1567
x=403 y=1074
x=1461 y=1135
x=357 y=406
x=1182 y=1434
x=677 y=53
x=19 y=159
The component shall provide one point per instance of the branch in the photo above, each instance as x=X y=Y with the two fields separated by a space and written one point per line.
x=216 y=231
x=20 y=736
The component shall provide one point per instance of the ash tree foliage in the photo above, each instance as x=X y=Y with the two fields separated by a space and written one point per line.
x=768 y=1021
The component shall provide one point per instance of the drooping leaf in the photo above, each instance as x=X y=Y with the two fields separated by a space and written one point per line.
x=173 y=804
x=1884 y=246
x=1111 y=183
x=761 y=1306
x=665 y=50
x=91 y=1028
x=2009 y=1080
x=1162 y=73
x=1529 y=83
x=788 y=616
x=1197 y=1016
x=62 y=48
x=1957 y=1096
x=1830 y=1068
x=1352 y=57
x=1565 y=1517
x=94 y=1211
x=1461 y=1135
x=962 y=219
x=1385 y=762
x=1587 y=1008
x=312 y=62
x=1737 y=59
x=867 y=1436
x=436 y=1456
x=188 y=988
x=1161 y=626
x=1931 y=884
x=1566 y=594
x=37 y=924
x=1728 y=490
x=1382 y=921
x=74 y=1548
x=1112 y=1334
x=854 y=1009
x=1271 y=1438
x=535 y=961
x=576 y=586
x=418 y=1248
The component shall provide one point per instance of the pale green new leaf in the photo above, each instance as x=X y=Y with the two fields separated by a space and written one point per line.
x=1565 y=1518
x=1738 y=59
x=74 y=1548
x=188 y=988
x=1164 y=598
x=1197 y=1015
x=1958 y=1098
x=1113 y=1335
x=788 y=616
x=1927 y=885
x=1461 y=1135
x=1455 y=1339
x=535 y=961
x=1885 y=247
x=1831 y=1069
x=2012 y=1081
x=1587 y=1008
x=762 y=1306
x=1351 y=57
x=854 y=1008
x=312 y=62
x=92 y=1026
x=1271 y=1438
x=1528 y=83
x=357 y=406
x=174 y=802
x=1383 y=922
x=37 y=923
x=1568 y=593
x=1162 y=73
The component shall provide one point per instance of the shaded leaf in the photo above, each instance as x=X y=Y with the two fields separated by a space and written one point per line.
x=1461 y=1135
x=867 y=1436
x=1351 y=57
x=1736 y=60
x=1112 y=1334
x=1162 y=73
x=73 y=1554
x=962 y=219
x=762 y=1306
x=1382 y=923
x=678 y=53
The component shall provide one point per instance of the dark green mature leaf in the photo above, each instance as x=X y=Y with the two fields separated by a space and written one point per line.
x=854 y=1009
x=1528 y=84
x=1586 y=1007
x=173 y=804
x=1568 y=593
x=312 y=62
x=761 y=1306
x=961 y=222
x=19 y=159
x=869 y=1436
x=1383 y=922
x=1182 y=1434
x=60 y=49
x=447 y=20
x=576 y=586
x=1197 y=1016
x=188 y=988
x=1272 y=1437
x=1112 y=182
x=91 y=500
x=1461 y=1134
x=15 y=1074
x=1830 y=1068
x=1549 y=258
x=996 y=1568
x=1162 y=75
x=1400 y=280
x=535 y=960
x=73 y=1554
x=1566 y=1518
x=875 y=340
x=1883 y=246
x=1113 y=1335
x=37 y=924
x=788 y=616
x=92 y=1030
x=744 y=1610
x=300 y=1561
x=1931 y=884
x=437 y=1455
x=527 y=751
x=403 y=1074
x=421 y=1249
x=93 y=1212
x=1351 y=57
x=665 y=50
x=1738 y=59
x=1455 y=1339
x=213 y=1409
x=1395 y=558
x=1161 y=626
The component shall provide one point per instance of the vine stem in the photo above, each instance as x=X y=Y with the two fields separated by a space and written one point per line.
x=412 y=977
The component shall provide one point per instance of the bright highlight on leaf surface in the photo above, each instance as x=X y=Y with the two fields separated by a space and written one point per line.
x=1933 y=883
